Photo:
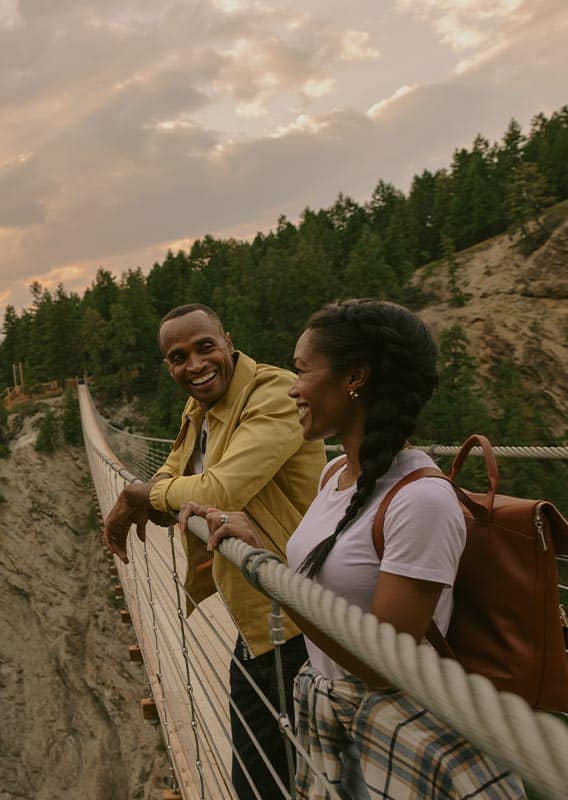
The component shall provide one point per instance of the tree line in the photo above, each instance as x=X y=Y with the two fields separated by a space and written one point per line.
x=265 y=289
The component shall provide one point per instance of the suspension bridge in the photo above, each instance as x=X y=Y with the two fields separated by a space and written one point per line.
x=187 y=660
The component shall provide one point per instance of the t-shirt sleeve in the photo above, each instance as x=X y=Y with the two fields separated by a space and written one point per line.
x=424 y=532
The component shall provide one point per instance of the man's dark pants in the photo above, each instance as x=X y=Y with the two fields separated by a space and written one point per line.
x=263 y=725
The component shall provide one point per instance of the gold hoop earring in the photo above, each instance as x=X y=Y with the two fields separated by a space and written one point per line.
x=353 y=394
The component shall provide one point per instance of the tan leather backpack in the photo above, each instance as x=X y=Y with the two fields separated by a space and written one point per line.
x=507 y=623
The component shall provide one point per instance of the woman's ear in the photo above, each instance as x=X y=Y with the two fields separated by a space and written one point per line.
x=358 y=377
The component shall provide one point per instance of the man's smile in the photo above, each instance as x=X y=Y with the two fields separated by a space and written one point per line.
x=203 y=379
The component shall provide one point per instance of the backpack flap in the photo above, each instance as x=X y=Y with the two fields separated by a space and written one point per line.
x=558 y=525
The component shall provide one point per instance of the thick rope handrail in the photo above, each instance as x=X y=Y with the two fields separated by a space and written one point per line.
x=559 y=452
x=507 y=451
x=531 y=743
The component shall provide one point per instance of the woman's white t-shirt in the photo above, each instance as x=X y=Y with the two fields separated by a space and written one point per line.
x=424 y=533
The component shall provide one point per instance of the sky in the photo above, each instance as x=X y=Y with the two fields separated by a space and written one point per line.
x=132 y=126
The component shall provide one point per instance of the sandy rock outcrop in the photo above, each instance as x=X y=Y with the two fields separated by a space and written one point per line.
x=516 y=310
x=69 y=697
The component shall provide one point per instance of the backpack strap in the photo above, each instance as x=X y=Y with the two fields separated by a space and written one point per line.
x=433 y=634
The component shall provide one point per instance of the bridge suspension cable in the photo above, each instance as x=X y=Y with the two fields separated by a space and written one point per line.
x=145 y=454
x=187 y=660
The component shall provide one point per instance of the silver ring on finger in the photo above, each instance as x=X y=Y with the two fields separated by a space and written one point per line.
x=224 y=518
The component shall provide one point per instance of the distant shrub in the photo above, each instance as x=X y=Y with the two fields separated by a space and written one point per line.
x=29 y=407
x=71 y=422
x=48 y=433
x=4 y=449
x=92 y=521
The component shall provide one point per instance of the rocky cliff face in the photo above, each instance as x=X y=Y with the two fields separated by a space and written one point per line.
x=516 y=309
x=69 y=697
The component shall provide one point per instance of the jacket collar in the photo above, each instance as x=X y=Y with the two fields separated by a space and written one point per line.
x=244 y=372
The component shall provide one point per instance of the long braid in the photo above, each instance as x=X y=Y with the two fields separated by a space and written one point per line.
x=401 y=354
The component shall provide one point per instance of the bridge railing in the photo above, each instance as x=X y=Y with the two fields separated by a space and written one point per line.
x=187 y=661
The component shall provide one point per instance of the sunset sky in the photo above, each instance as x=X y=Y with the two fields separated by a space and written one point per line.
x=132 y=126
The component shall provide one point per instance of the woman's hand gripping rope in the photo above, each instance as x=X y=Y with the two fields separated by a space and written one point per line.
x=222 y=524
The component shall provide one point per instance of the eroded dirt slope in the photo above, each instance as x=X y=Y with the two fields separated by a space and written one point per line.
x=69 y=698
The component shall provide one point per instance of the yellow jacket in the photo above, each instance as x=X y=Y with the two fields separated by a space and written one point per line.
x=257 y=460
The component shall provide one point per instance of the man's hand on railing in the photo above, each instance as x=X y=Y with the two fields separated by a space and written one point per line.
x=161 y=518
x=131 y=508
x=222 y=524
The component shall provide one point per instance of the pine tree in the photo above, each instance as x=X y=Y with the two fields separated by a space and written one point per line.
x=348 y=220
x=102 y=294
x=457 y=297
x=167 y=283
x=474 y=207
x=71 y=421
x=547 y=147
x=367 y=273
x=527 y=197
x=10 y=349
x=95 y=343
x=423 y=233
x=457 y=408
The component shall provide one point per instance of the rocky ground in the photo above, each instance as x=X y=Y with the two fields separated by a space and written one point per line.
x=69 y=697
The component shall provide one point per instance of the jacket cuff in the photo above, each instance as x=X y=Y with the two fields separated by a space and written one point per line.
x=158 y=494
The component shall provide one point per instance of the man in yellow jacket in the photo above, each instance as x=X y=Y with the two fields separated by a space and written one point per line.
x=240 y=447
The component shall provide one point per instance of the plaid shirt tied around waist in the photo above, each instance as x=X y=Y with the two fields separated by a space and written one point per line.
x=385 y=745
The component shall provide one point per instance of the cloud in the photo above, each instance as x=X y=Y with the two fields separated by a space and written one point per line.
x=230 y=6
x=69 y=275
x=379 y=107
x=463 y=24
x=318 y=87
x=254 y=109
x=303 y=124
x=257 y=69
x=355 y=46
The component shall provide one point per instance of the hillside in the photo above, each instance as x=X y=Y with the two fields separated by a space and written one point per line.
x=516 y=309
x=71 y=722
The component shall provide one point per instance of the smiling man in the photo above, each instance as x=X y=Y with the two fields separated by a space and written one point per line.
x=240 y=447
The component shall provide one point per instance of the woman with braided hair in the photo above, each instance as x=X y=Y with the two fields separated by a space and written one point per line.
x=365 y=368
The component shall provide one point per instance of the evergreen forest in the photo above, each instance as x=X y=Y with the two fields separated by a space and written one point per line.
x=265 y=289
